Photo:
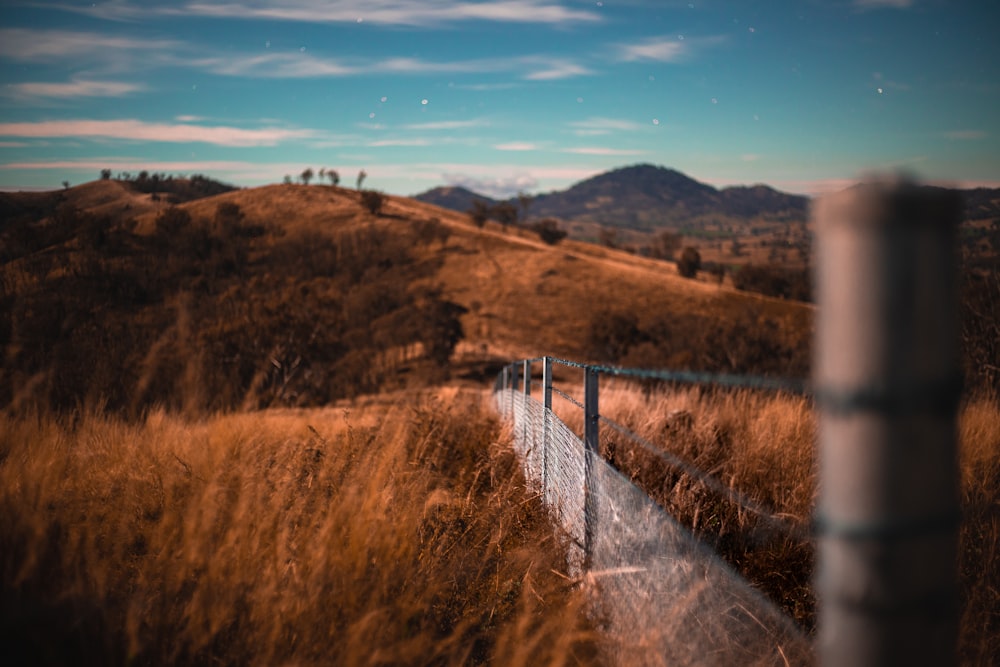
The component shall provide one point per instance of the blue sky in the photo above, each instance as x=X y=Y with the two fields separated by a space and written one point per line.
x=502 y=96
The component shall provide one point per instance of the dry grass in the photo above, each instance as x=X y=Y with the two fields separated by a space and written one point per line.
x=763 y=446
x=398 y=535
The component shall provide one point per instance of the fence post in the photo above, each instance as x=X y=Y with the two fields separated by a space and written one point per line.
x=547 y=423
x=591 y=448
x=887 y=387
x=504 y=381
x=524 y=411
x=513 y=389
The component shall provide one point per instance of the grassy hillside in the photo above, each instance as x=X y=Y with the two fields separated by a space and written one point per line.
x=396 y=534
x=295 y=295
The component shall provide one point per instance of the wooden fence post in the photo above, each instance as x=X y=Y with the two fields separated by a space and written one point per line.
x=887 y=386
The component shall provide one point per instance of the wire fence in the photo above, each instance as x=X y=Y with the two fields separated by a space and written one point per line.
x=665 y=596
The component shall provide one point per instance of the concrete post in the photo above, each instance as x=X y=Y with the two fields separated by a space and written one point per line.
x=887 y=385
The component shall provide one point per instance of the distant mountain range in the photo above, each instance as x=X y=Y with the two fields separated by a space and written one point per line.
x=646 y=197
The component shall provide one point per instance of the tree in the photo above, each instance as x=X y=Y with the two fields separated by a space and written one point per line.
x=689 y=263
x=105 y=174
x=307 y=175
x=664 y=245
x=65 y=185
x=608 y=237
x=480 y=212
x=372 y=200
x=506 y=214
x=362 y=175
x=288 y=179
x=333 y=176
x=524 y=200
x=549 y=231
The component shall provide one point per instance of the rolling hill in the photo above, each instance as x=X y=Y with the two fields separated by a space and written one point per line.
x=297 y=295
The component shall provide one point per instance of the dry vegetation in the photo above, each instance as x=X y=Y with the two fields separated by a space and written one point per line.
x=396 y=535
x=764 y=447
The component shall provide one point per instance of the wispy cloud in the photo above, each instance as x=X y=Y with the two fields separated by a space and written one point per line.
x=272 y=66
x=73 y=89
x=555 y=69
x=137 y=130
x=56 y=46
x=397 y=12
x=665 y=49
x=597 y=126
x=447 y=125
x=883 y=4
x=423 y=13
x=599 y=150
x=966 y=135
x=516 y=146
x=380 y=143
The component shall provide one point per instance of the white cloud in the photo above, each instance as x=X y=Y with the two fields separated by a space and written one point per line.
x=598 y=125
x=396 y=12
x=556 y=69
x=273 y=66
x=73 y=89
x=137 y=130
x=497 y=187
x=598 y=150
x=28 y=45
x=516 y=146
x=665 y=49
x=660 y=50
x=446 y=125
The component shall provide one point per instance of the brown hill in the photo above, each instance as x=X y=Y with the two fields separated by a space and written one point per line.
x=293 y=294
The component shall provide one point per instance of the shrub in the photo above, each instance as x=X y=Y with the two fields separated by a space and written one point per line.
x=372 y=201
x=479 y=213
x=689 y=263
x=549 y=231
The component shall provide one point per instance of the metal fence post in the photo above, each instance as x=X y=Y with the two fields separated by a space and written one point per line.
x=590 y=452
x=513 y=388
x=887 y=387
x=547 y=423
x=525 y=412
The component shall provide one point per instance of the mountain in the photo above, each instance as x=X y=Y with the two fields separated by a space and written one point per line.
x=455 y=198
x=646 y=197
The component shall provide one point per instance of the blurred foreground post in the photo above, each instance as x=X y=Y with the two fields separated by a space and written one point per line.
x=887 y=386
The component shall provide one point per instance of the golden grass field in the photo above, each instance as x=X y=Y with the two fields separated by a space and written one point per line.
x=271 y=527
x=399 y=533
x=763 y=445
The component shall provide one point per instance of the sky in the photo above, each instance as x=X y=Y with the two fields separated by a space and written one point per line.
x=503 y=96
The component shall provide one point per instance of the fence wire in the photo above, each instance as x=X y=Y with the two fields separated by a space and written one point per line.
x=665 y=597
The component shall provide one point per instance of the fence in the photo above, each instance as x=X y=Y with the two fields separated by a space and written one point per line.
x=666 y=597
x=886 y=521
